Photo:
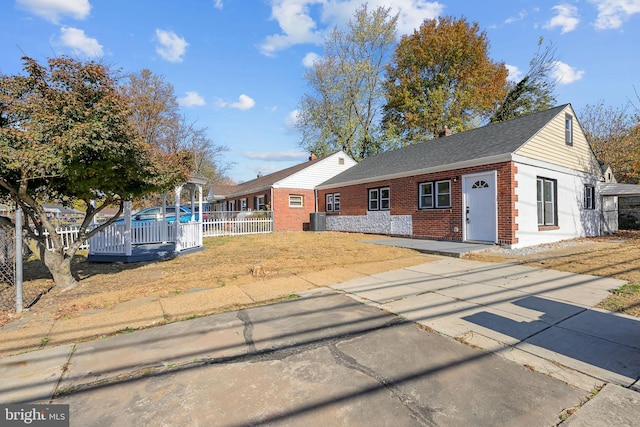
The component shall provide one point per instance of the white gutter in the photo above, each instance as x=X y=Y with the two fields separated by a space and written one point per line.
x=441 y=168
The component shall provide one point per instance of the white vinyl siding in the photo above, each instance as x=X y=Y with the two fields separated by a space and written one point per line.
x=317 y=173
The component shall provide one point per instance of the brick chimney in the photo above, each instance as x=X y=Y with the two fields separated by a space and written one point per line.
x=312 y=157
x=444 y=132
x=259 y=174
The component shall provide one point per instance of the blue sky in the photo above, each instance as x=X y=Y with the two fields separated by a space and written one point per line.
x=237 y=65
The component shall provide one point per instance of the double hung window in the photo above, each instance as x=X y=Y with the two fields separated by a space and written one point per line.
x=379 y=199
x=435 y=195
x=547 y=201
x=333 y=202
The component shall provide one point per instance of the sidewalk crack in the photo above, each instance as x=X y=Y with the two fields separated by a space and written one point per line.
x=423 y=415
x=247 y=332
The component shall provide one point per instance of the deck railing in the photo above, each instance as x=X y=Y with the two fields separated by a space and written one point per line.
x=112 y=238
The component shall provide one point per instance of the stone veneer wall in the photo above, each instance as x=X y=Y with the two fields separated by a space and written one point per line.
x=378 y=222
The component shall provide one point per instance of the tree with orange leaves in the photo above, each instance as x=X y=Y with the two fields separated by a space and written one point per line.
x=441 y=75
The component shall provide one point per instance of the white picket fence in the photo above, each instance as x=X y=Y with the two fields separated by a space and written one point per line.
x=237 y=223
x=215 y=224
x=69 y=235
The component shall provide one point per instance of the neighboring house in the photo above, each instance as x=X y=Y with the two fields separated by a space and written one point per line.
x=62 y=215
x=523 y=182
x=218 y=194
x=289 y=193
x=5 y=210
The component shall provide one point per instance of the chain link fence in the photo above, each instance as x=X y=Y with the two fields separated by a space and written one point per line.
x=7 y=269
x=7 y=257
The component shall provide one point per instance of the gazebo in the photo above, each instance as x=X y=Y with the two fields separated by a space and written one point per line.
x=129 y=240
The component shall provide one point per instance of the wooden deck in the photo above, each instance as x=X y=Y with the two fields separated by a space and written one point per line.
x=142 y=253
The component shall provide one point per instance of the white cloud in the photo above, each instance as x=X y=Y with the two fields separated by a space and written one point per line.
x=521 y=15
x=217 y=4
x=298 y=26
x=172 y=47
x=192 y=99
x=567 y=18
x=79 y=43
x=244 y=103
x=53 y=10
x=309 y=59
x=565 y=74
x=291 y=120
x=515 y=74
x=612 y=13
x=411 y=13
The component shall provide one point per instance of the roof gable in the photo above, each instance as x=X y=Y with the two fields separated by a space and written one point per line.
x=549 y=145
x=282 y=177
x=488 y=143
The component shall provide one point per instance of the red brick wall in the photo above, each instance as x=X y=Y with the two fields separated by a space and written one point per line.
x=287 y=218
x=434 y=223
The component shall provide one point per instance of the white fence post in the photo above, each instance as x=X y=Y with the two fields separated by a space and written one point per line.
x=127 y=228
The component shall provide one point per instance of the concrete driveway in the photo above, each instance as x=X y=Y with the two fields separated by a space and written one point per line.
x=328 y=359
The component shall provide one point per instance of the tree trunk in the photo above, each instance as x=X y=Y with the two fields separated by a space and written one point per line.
x=59 y=264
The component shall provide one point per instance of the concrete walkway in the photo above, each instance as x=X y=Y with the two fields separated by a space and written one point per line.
x=353 y=355
x=542 y=319
x=434 y=247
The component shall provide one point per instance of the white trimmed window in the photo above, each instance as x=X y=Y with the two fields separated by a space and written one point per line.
x=243 y=204
x=568 y=129
x=443 y=194
x=426 y=195
x=546 y=201
x=260 y=202
x=333 y=202
x=295 y=201
x=589 y=196
x=232 y=206
x=435 y=194
x=379 y=199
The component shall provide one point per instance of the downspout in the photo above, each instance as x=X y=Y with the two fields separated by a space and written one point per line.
x=315 y=191
x=273 y=211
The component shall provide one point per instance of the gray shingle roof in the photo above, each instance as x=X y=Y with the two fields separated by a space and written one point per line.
x=487 y=141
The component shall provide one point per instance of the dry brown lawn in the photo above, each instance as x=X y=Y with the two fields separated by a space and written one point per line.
x=241 y=260
x=225 y=261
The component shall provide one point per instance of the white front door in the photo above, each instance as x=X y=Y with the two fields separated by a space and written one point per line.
x=480 y=207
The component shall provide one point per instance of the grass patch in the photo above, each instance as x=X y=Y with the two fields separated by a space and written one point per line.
x=628 y=289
